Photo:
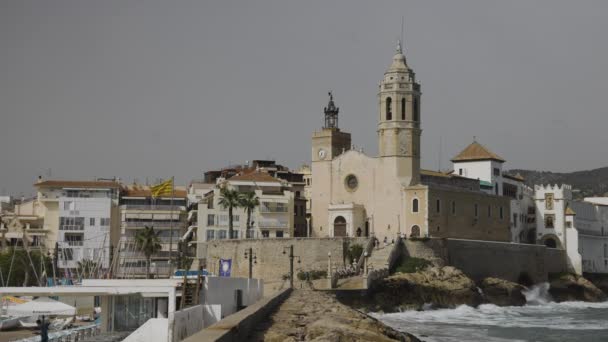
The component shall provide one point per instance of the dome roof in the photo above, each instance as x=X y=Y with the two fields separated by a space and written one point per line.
x=399 y=63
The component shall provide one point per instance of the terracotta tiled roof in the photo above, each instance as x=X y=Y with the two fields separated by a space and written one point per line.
x=477 y=151
x=77 y=184
x=569 y=211
x=516 y=177
x=435 y=173
x=144 y=191
x=255 y=177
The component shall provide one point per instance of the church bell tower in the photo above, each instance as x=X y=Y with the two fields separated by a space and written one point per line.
x=399 y=119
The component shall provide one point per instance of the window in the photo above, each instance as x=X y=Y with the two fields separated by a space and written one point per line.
x=549 y=201
x=496 y=171
x=91 y=221
x=71 y=223
x=453 y=207
x=460 y=172
x=549 y=221
x=476 y=207
x=67 y=205
x=496 y=188
x=568 y=224
x=210 y=219
x=66 y=254
x=210 y=234
x=502 y=213
x=297 y=194
x=389 y=114
x=415 y=205
x=235 y=234
x=265 y=233
x=279 y=233
x=514 y=220
x=222 y=234
x=403 y=108
x=438 y=206
x=416 y=109
x=104 y=221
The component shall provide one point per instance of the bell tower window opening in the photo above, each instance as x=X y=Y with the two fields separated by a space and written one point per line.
x=415 y=205
x=403 y=108
x=416 y=109
x=389 y=113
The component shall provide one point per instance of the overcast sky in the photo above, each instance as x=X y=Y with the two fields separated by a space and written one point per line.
x=138 y=89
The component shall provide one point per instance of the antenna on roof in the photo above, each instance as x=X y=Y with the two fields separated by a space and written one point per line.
x=402 y=23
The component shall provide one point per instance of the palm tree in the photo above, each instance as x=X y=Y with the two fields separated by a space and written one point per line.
x=229 y=199
x=148 y=242
x=249 y=201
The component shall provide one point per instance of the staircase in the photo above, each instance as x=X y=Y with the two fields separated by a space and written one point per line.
x=379 y=258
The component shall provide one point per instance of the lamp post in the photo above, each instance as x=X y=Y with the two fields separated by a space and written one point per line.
x=308 y=217
x=253 y=259
x=291 y=257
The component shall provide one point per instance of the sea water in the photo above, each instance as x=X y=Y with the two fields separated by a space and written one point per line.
x=540 y=320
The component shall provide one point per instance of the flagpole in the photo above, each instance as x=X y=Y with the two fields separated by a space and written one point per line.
x=171 y=228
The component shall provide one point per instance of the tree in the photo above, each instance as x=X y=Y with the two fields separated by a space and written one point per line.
x=230 y=199
x=148 y=242
x=249 y=201
x=87 y=268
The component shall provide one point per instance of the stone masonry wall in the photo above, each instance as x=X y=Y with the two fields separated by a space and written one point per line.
x=272 y=264
x=480 y=259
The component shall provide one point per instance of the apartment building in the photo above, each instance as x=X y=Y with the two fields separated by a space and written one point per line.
x=23 y=226
x=273 y=218
x=81 y=219
x=167 y=215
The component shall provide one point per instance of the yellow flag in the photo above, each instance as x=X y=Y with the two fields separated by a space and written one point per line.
x=162 y=189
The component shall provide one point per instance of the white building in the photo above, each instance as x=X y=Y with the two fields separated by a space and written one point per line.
x=84 y=215
x=478 y=162
x=274 y=217
x=555 y=226
x=591 y=221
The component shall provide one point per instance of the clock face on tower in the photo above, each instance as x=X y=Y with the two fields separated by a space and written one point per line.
x=322 y=154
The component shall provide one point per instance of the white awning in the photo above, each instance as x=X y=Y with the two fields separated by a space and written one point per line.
x=13 y=235
x=41 y=306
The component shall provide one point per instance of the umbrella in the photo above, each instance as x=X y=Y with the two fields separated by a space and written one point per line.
x=41 y=306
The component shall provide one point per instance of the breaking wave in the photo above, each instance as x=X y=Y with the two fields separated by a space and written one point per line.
x=539 y=320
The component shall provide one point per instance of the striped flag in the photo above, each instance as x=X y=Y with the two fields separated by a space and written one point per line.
x=162 y=189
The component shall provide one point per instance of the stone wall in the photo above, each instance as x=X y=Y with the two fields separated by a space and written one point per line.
x=480 y=259
x=272 y=264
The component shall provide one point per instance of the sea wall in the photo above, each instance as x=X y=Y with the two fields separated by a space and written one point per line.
x=481 y=259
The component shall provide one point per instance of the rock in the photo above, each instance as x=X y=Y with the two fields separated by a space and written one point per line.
x=439 y=286
x=599 y=280
x=572 y=287
x=502 y=292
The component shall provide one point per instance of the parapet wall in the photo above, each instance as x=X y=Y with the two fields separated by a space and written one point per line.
x=272 y=264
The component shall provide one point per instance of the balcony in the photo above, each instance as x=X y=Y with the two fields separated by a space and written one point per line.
x=74 y=243
x=270 y=223
x=151 y=223
x=71 y=227
x=153 y=207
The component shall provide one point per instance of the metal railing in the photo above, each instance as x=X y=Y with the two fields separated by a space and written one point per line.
x=71 y=227
x=153 y=207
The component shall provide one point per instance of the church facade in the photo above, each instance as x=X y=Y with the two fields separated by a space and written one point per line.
x=388 y=195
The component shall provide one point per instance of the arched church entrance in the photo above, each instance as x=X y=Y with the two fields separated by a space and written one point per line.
x=340 y=226
x=415 y=231
x=551 y=241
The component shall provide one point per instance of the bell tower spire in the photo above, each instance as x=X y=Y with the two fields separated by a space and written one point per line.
x=331 y=113
x=399 y=118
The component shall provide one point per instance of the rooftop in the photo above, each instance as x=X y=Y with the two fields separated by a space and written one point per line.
x=475 y=152
x=76 y=184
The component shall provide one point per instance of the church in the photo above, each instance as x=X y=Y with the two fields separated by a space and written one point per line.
x=388 y=195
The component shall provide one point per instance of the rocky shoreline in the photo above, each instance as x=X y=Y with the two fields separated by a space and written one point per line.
x=448 y=287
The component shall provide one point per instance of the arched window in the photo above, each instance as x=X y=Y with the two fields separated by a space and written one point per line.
x=389 y=109
x=415 y=205
x=416 y=109
x=403 y=108
x=415 y=231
